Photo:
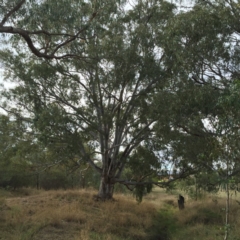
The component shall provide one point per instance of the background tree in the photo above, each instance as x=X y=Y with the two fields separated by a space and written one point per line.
x=202 y=53
x=204 y=43
x=15 y=149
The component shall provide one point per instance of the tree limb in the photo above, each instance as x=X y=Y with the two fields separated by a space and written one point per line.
x=16 y=8
x=26 y=36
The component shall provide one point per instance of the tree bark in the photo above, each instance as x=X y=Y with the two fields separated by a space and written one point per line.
x=106 y=189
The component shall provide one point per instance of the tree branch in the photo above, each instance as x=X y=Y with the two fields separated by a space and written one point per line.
x=25 y=35
x=17 y=7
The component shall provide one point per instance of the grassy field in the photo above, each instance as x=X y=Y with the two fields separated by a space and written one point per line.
x=73 y=214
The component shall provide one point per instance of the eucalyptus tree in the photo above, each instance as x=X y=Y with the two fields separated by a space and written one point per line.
x=203 y=54
x=95 y=86
x=205 y=47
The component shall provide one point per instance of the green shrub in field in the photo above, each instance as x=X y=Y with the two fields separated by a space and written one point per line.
x=13 y=179
x=165 y=223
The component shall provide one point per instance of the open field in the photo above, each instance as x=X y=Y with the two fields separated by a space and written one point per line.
x=73 y=214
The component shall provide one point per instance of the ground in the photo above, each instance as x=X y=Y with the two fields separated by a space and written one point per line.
x=74 y=214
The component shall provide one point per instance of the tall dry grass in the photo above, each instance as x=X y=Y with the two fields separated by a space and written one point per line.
x=74 y=214
x=205 y=219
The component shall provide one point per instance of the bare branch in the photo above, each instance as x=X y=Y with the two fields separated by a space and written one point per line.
x=159 y=184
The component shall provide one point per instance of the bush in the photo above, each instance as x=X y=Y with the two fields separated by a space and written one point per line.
x=54 y=180
x=12 y=179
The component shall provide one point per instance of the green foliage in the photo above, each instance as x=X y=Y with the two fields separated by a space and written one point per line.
x=198 y=185
x=141 y=190
x=54 y=180
x=165 y=224
x=143 y=162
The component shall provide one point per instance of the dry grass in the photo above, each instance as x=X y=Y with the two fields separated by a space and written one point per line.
x=206 y=220
x=74 y=214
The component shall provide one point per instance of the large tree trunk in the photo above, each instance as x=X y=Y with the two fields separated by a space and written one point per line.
x=106 y=189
